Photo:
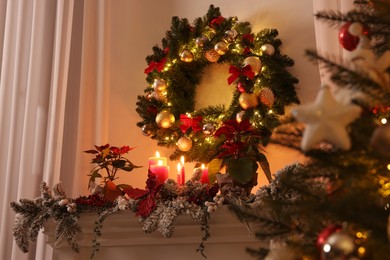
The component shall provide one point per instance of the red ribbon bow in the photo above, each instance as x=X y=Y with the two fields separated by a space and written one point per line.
x=159 y=65
x=190 y=122
x=236 y=72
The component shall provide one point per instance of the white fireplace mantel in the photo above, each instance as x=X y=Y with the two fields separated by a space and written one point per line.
x=123 y=238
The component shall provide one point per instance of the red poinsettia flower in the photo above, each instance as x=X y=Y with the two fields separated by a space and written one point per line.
x=249 y=38
x=146 y=197
x=234 y=132
x=233 y=129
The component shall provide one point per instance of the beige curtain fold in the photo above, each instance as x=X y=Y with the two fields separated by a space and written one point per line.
x=53 y=87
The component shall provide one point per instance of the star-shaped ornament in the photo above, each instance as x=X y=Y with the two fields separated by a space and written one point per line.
x=326 y=120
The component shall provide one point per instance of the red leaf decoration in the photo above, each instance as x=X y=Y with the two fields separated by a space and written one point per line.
x=136 y=193
x=146 y=206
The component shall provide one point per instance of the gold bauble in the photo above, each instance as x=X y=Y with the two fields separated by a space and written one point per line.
x=186 y=56
x=159 y=85
x=160 y=95
x=267 y=97
x=221 y=48
x=255 y=63
x=184 y=144
x=248 y=100
x=165 y=119
x=211 y=55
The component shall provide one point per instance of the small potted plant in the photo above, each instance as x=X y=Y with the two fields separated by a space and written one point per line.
x=240 y=156
x=108 y=161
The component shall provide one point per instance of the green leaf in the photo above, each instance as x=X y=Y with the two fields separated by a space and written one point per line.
x=95 y=174
x=264 y=165
x=214 y=167
x=119 y=163
x=242 y=169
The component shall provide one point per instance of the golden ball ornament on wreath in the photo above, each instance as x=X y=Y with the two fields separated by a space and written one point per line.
x=165 y=119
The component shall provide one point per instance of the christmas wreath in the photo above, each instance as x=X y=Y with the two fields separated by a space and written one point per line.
x=257 y=68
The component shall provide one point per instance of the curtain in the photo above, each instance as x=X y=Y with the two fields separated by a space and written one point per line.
x=53 y=81
x=326 y=35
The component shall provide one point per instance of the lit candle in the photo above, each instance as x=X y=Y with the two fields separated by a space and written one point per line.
x=160 y=171
x=154 y=160
x=179 y=174
x=205 y=175
x=183 y=174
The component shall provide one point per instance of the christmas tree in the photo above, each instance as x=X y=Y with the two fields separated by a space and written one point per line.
x=336 y=204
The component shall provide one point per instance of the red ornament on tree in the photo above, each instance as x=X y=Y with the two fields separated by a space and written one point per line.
x=152 y=110
x=346 y=39
x=240 y=87
x=325 y=233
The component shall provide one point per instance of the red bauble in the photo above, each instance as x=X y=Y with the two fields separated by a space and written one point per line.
x=240 y=87
x=152 y=110
x=346 y=39
x=325 y=233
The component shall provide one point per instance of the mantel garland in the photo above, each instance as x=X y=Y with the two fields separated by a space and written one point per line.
x=257 y=67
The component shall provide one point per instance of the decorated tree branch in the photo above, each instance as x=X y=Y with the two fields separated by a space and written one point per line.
x=336 y=204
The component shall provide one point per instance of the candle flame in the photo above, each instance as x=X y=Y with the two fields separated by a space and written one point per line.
x=157 y=154
x=178 y=168
x=159 y=162
x=202 y=166
x=182 y=160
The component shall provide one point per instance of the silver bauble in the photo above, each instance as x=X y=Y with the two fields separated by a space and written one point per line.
x=146 y=130
x=268 y=49
x=208 y=129
x=184 y=144
x=230 y=35
x=186 y=56
x=159 y=85
x=165 y=119
x=200 y=41
x=380 y=140
x=255 y=63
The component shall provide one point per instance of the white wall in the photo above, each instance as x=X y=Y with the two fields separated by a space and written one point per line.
x=138 y=25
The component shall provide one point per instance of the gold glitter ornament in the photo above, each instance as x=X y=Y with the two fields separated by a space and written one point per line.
x=212 y=55
x=184 y=143
x=165 y=119
x=186 y=56
x=267 y=97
